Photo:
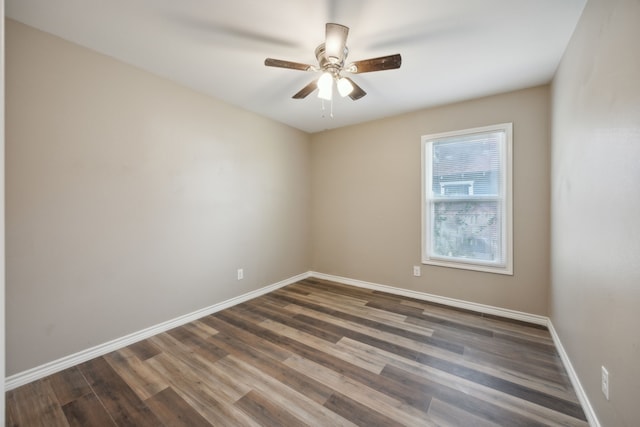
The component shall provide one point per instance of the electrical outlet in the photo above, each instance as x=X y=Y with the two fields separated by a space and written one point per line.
x=416 y=271
x=240 y=274
x=605 y=382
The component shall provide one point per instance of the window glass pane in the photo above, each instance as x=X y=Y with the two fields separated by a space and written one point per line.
x=467 y=165
x=467 y=229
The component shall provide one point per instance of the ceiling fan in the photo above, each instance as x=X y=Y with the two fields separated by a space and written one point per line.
x=331 y=57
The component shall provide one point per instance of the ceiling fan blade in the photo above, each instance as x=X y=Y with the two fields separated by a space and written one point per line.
x=306 y=90
x=375 y=64
x=335 y=42
x=270 y=62
x=357 y=91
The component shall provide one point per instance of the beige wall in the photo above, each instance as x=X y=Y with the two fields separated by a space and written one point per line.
x=366 y=201
x=595 y=292
x=132 y=200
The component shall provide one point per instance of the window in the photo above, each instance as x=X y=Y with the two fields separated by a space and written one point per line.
x=467 y=208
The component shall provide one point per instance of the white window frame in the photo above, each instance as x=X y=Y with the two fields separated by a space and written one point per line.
x=469 y=185
x=506 y=183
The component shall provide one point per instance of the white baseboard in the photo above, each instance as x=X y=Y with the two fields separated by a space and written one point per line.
x=58 y=365
x=467 y=305
x=575 y=381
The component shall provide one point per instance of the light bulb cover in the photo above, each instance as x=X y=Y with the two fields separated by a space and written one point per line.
x=325 y=86
x=344 y=86
x=335 y=42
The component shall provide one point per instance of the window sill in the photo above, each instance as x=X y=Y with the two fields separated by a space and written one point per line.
x=506 y=270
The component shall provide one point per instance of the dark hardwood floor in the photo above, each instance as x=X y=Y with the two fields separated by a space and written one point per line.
x=317 y=353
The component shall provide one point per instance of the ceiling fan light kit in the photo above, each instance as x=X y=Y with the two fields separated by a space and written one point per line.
x=331 y=56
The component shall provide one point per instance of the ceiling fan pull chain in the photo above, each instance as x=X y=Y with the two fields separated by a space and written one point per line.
x=331 y=113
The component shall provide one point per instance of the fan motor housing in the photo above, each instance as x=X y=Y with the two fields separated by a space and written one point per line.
x=327 y=63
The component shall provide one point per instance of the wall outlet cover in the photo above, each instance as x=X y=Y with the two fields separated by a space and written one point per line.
x=417 y=271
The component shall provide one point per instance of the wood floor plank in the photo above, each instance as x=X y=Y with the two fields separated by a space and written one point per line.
x=506 y=386
x=549 y=376
x=367 y=352
x=335 y=301
x=359 y=414
x=450 y=415
x=209 y=398
x=209 y=379
x=456 y=325
x=266 y=412
x=360 y=332
x=464 y=336
x=35 y=404
x=87 y=411
x=478 y=407
x=377 y=325
x=317 y=353
x=195 y=342
x=395 y=307
x=415 y=331
x=332 y=291
x=201 y=329
x=144 y=349
x=375 y=400
x=124 y=406
x=68 y=385
x=543 y=347
x=273 y=367
x=509 y=357
x=297 y=404
x=235 y=328
x=321 y=299
x=172 y=410
x=211 y=401
x=199 y=362
x=135 y=373
x=435 y=378
x=308 y=327
x=452 y=360
x=489 y=344
x=246 y=311
x=482 y=320
x=358 y=359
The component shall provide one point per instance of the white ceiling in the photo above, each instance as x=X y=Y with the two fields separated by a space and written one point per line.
x=452 y=50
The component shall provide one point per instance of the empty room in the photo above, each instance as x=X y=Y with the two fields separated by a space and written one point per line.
x=321 y=213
